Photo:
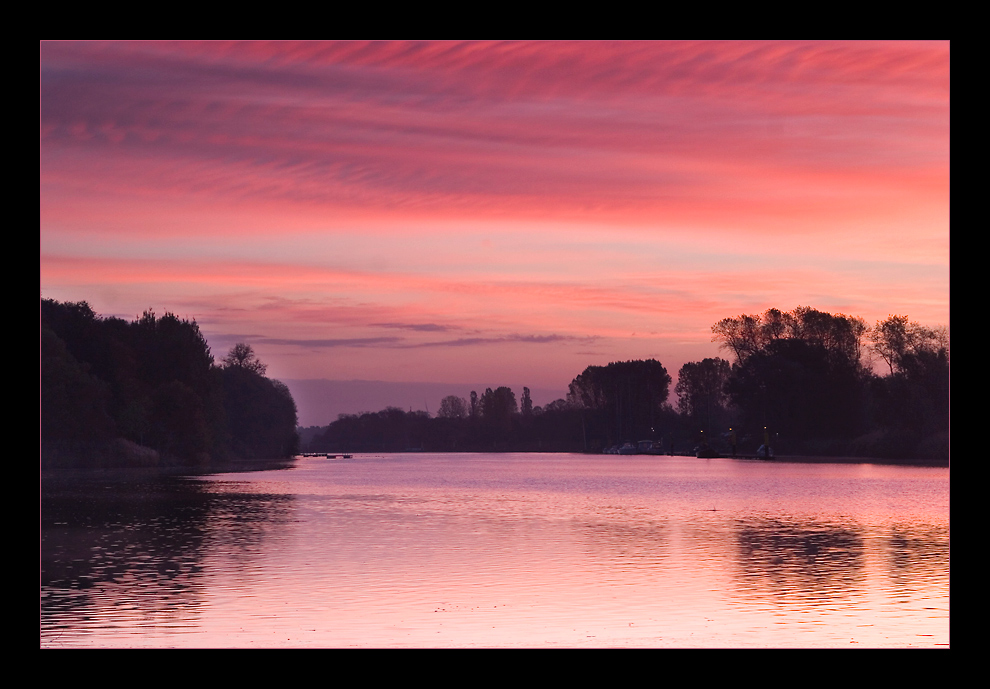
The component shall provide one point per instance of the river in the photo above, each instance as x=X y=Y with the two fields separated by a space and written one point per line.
x=501 y=550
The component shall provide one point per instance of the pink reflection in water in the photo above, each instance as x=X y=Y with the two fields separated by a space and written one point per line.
x=541 y=550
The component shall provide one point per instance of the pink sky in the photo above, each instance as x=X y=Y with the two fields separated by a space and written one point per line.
x=511 y=212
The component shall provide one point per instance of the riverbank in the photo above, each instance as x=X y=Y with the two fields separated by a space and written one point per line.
x=803 y=459
x=830 y=459
x=119 y=454
x=71 y=474
x=816 y=459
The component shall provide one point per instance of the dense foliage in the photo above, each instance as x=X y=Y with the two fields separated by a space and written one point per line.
x=149 y=392
x=624 y=400
x=803 y=379
x=806 y=377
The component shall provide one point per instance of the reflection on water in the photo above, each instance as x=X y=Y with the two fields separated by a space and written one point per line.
x=501 y=550
x=818 y=562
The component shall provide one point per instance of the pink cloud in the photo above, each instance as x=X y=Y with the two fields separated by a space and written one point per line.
x=494 y=190
x=623 y=129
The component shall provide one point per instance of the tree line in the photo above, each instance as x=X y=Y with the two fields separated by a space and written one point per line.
x=803 y=379
x=604 y=406
x=149 y=392
x=808 y=376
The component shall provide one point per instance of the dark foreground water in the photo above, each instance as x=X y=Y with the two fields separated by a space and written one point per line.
x=479 y=550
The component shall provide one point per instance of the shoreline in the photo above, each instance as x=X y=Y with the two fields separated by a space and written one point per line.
x=779 y=459
x=811 y=459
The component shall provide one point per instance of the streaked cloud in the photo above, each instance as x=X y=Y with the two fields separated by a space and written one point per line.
x=508 y=339
x=418 y=327
x=323 y=344
x=436 y=200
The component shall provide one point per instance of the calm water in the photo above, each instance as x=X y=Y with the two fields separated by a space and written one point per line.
x=479 y=550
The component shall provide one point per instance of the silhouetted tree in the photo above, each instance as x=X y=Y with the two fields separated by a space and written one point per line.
x=911 y=406
x=527 y=403
x=74 y=403
x=803 y=374
x=497 y=409
x=260 y=413
x=153 y=381
x=452 y=407
x=896 y=339
x=178 y=423
x=558 y=405
x=745 y=335
x=701 y=391
x=623 y=399
x=799 y=391
x=169 y=348
x=242 y=355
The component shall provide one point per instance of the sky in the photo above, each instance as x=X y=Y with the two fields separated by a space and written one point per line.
x=507 y=212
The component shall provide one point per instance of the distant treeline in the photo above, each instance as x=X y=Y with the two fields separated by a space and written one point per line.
x=605 y=404
x=148 y=392
x=803 y=378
